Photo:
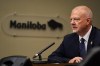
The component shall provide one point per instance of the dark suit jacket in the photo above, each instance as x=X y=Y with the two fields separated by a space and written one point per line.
x=69 y=47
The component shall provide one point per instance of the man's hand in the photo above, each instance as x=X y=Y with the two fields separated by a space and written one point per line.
x=75 y=60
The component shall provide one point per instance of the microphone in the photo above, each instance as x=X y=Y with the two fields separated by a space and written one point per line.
x=39 y=53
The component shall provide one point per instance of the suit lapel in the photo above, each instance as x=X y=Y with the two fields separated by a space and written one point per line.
x=91 y=39
x=76 y=43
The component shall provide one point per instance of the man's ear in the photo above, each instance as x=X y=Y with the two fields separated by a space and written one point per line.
x=88 y=21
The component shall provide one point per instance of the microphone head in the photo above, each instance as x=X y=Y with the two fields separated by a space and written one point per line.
x=35 y=55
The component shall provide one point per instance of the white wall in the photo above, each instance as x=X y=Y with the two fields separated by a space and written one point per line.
x=28 y=46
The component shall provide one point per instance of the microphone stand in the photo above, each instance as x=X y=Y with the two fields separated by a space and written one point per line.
x=40 y=57
x=39 y=53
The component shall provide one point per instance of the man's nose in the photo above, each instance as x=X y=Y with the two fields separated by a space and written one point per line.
x=72 y=21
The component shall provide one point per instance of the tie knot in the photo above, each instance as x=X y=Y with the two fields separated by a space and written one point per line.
x=82 y=40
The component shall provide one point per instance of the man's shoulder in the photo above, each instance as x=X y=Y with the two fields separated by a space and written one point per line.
x=95 y=32
x=96 y=29
x=71 y=35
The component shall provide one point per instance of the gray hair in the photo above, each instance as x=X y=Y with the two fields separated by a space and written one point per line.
x=86 y=10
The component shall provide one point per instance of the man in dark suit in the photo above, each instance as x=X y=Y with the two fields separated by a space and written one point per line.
x=81 y=22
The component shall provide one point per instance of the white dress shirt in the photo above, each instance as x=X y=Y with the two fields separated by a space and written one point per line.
x=86 y=37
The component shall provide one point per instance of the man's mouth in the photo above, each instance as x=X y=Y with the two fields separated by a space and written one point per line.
x=74 y=27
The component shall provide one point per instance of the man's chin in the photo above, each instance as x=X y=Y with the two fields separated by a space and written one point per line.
x=74 y=31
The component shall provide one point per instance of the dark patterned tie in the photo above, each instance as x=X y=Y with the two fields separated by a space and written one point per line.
x=82 y=48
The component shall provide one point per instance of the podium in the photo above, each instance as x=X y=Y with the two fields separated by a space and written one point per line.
x=56 y=64
x=44 y=62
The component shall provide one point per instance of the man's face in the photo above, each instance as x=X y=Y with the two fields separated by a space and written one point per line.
x=78 y=21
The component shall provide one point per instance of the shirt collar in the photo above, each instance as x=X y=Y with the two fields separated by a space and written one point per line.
x=86 y=36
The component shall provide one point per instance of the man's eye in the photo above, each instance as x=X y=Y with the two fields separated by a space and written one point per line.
x=76 y=19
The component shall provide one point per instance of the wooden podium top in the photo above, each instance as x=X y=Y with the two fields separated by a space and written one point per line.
x=46 y=63
x=55 y=64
